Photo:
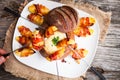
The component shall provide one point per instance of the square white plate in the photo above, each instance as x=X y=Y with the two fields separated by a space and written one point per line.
x=70 y=69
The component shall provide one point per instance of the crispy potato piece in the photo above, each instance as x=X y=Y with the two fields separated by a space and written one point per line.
x=37 y=40
x=32 y=39
x=24 y=31
x=50 y=31
x=87 y=21
x=35 y=18
x=25 y=52
x=62 y=43
x=39 y=9
x=23 y=40
x=42 y=9
x=83 y=29
x=32 y=9
x=82 y=32
x=71 y=41
x=57 y=55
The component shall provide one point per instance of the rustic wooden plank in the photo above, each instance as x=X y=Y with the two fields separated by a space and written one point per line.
x=108 y=76
x=108 y=53
x=106 y=60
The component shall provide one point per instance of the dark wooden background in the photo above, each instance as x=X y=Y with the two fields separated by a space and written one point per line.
x=107 y=59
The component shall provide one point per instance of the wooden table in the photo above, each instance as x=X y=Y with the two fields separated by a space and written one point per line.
x=107 y=59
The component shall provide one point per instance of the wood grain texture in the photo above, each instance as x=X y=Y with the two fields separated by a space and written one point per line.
x=107 y=58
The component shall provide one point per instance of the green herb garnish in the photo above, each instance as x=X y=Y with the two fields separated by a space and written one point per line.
x=55 y=40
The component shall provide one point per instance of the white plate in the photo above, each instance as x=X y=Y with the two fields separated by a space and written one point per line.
x=70 y=69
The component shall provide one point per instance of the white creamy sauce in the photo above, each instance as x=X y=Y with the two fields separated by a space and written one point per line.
x=49 y=46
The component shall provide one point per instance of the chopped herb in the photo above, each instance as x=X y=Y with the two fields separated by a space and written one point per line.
x=55 y=40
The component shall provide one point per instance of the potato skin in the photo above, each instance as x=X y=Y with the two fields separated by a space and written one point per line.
x=61 y=18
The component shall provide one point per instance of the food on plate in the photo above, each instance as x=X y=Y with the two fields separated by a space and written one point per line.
x=56 y=55
x=56 y=44
x=50 y=31
x=39 y=9
x=57 y=40
x=24 y=52
x=51 y=42
x=37 y=12
x=64 y=51
x=35 y=18
x=24 y=31
x=79 y=53
x=83 y=31
x=37 y=40
x=65 y=20
x=87 y=21
x=83 y=27
x=23 y=40
x=34 y=40
x=64 y=17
